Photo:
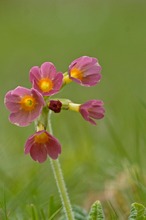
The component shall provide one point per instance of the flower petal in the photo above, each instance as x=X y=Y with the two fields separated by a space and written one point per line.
x=12 y=102
x=53 y=147
x=53 y=151
x=34 y=73
x=28 y=144
x=48 y=70
x=57 y=84
x=20 y=118
x=38 y=153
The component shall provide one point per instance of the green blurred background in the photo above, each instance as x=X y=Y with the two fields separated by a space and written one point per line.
x=106 y=162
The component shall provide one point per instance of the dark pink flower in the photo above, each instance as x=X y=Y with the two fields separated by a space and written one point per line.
x=46 y=79
x=41 y=144
x=85 y=71
x=92 y=109
x=24 y=104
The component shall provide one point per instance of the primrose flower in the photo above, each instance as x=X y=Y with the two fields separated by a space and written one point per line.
x=41 y=144
x=85 y=71
x=92 y=109
x=24 y=104
x=46 y=79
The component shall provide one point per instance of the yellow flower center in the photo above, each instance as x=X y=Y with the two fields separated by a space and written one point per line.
x=28 y=103
x=41 y=138
x=45 y=84
x=75 y=73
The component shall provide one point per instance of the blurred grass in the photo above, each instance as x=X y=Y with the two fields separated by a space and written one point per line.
x=106 y=162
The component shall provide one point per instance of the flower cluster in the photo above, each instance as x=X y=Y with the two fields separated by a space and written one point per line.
x=29 y=105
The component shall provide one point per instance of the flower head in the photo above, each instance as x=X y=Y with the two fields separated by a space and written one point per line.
x=24 y=104
x=85 y=71
x=46 y=79
x=92 y=109
x=41 y=144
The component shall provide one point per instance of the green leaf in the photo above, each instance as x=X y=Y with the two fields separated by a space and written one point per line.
x=138 y=212
x=96 y=212
x=34 y=213
x=80 y=213
x=54 y=214
x=52 y=207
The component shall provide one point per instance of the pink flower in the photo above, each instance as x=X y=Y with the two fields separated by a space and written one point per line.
x=41 y=144
x=92 y=109
x=24 y=104
x=46 y=79
x=85 y=71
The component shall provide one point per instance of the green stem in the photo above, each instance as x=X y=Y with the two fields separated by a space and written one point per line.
x=60 y=182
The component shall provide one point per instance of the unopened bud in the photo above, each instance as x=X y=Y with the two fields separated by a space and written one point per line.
x=55 y=105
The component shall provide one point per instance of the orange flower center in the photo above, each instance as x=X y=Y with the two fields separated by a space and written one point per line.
x=76 y=73
x=28 y=103
x=41 y=138
x=45 y=85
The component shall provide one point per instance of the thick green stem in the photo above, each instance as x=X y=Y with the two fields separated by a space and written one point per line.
x=61 y=183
